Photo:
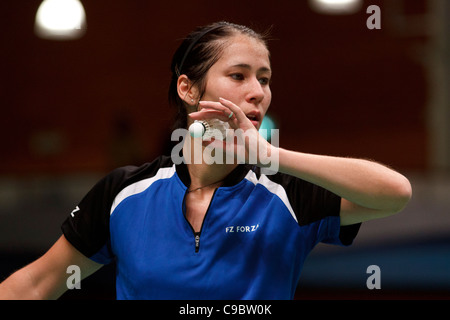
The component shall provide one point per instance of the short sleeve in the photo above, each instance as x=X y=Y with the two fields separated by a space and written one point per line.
x=314 y=204
x=331 y=232
x=87 y=227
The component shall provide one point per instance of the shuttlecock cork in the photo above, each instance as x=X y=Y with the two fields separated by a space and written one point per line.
x=212 y=128
x=197 y=129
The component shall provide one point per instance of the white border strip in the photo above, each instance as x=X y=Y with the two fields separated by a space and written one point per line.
x=274 y=188
x=141 y=186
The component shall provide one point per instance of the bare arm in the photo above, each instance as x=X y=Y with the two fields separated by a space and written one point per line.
x=46 y=277
x=369 y=190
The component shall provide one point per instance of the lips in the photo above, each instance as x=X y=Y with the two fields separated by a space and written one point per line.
x=254 y=117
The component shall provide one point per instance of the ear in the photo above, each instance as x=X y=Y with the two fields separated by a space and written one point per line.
x=186 y=91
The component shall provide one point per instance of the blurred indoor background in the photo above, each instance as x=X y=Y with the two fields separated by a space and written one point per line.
x=74 y=108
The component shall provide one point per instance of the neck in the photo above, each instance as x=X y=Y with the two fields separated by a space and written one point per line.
x=203 y=174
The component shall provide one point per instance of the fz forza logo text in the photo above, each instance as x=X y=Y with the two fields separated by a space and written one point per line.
x=252 y=228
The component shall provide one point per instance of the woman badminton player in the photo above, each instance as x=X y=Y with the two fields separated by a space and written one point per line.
x=215 y=230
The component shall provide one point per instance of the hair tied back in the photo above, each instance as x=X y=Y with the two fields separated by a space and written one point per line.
x=192 y=44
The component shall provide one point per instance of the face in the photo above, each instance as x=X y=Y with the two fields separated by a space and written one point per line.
x=242 y=75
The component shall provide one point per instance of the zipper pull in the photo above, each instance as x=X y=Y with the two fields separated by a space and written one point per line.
x=197 y=242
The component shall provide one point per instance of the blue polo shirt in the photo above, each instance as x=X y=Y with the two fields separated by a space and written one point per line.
x=255 y=237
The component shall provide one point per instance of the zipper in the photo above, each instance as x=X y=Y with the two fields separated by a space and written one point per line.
x=197 y=241
x=197 y=234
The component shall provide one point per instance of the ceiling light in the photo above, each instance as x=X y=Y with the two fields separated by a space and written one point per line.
x=60 y=20
x=336 y=6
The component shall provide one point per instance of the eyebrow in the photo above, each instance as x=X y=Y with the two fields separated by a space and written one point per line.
x=247 y=66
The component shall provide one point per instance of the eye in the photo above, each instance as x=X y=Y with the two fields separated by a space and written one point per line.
x=264 y=81
x=237 y=76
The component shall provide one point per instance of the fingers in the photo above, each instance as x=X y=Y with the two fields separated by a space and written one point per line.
x=223 y=110
x=213 y=105
x=226 y=106
x=235 y=110
x=207 y=114
x=218 y=106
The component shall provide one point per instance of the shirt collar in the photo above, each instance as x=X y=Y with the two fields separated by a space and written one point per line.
x=235 y=176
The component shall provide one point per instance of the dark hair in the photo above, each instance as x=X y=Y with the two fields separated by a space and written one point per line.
x=198 y=52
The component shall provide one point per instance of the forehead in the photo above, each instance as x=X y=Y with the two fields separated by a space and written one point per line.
x=242 y=49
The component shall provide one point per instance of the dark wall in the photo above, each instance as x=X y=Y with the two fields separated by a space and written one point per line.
x=338 y=88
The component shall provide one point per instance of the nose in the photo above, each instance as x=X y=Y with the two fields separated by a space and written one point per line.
x=255 y=91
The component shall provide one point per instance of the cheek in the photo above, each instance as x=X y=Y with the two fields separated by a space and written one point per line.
x=218 y=88
x=267 y=100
